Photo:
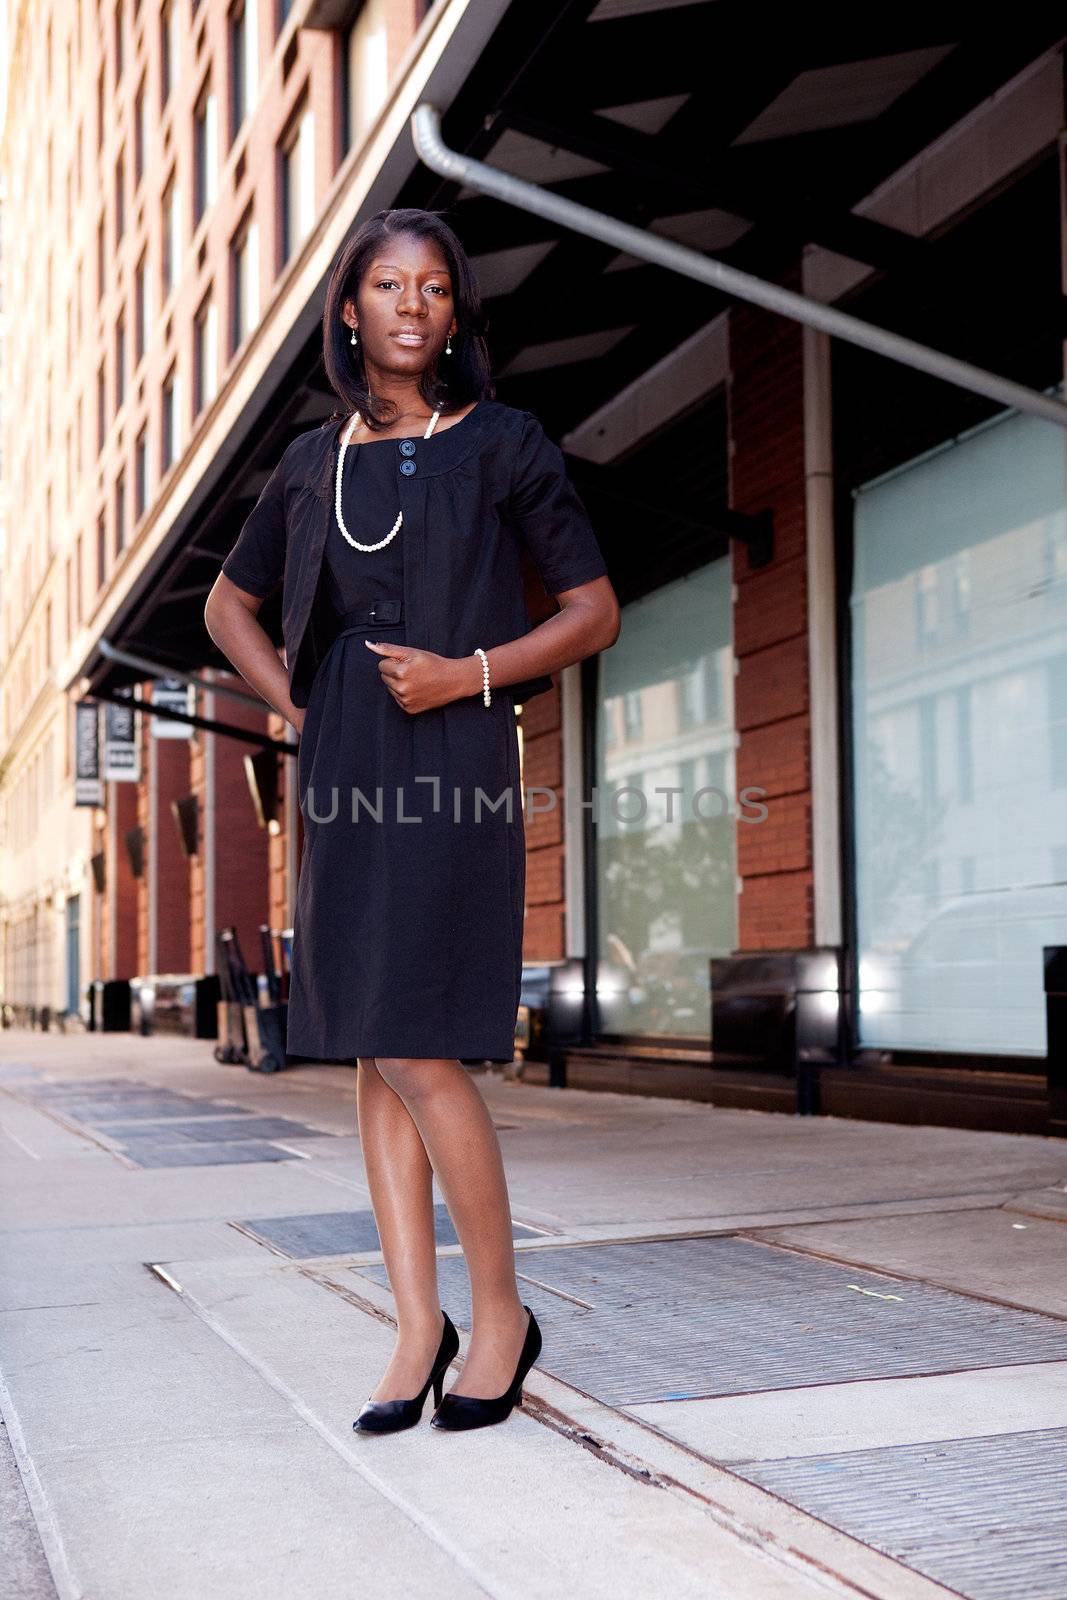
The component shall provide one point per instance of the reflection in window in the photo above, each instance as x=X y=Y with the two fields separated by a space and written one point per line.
x=631 y=715
x=960 y=741
x=666 y=857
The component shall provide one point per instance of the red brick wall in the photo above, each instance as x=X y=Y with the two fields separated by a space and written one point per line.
x=544 y=938
x=279 y=909
x=197 y=785
x=765 y=407
x=241 y=845
x=542 y=767
x=173 y=952
x=122 y=885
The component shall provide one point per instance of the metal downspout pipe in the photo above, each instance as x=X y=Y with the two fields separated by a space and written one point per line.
x=435 y=154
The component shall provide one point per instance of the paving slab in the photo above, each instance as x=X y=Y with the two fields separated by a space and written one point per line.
x=241 y=1511
x=866 y=1414
x=1050 y=1202
x=24 y=1569
x=1012 y=1258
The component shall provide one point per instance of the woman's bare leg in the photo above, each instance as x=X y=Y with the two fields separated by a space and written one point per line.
x=461 y=1142
x=401 y=1186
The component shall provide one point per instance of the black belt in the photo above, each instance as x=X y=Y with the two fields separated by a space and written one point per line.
x=369 y=611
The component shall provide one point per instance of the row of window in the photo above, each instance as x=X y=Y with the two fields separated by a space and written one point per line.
x=228 y=312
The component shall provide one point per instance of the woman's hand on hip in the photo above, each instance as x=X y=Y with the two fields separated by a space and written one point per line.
x=419 y=680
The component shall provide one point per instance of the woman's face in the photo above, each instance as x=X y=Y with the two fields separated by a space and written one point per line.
x=403 y=307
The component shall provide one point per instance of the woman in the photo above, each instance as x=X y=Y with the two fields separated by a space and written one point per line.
x=396 y=531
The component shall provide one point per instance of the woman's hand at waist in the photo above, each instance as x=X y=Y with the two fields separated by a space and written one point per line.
x=419 y=680
x=588 y=621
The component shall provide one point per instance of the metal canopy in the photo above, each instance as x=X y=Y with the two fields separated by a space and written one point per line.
x=557 y=208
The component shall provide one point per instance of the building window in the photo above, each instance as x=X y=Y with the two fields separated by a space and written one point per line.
x=101 y=407
x=631 y=714
x=119 y=52
x=365 y=76
x=665 y=845
x=169 y=47
x=206 y=147
x=120 y=361
x=101 y=256
x=297 y=183
x=244 y=295
x=961 y=833
x=140 y=311
x=206 y=364
x=120 y=513
x=140 y=475
x=101 y=101
x=700 y=693
x=171 y=441
x=172 y=240
x=244 y=62
x=101 y=550
x=140 y=134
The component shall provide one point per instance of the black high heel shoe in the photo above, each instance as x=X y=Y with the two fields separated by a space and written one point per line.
x=389 y=1416
x=458 y=1411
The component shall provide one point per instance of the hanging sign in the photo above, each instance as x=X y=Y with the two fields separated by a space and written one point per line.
x=176 y=695
x=122 y=752
x=88 y=788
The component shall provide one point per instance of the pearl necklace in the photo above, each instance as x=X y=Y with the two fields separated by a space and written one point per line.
x=337 y=490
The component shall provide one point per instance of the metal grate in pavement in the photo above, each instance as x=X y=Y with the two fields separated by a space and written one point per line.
x=220 y=1128
x=985 y=1517
x=206 y=1155
x=680 y=1318
x=342 y=1233
x=113 y=1101
x=165 y=1128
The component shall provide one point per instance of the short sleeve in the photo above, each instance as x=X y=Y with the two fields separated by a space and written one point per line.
x=257 y=561
x=550 y=515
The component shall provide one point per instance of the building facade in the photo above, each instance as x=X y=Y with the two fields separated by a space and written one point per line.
x=834 y=723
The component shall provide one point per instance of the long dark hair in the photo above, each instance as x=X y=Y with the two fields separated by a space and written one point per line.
x=457 y=379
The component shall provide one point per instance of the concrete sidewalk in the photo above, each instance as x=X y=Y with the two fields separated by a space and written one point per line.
x=783 y=1357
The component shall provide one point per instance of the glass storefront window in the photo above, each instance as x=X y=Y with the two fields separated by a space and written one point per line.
x=959 y=727
x=666 y=852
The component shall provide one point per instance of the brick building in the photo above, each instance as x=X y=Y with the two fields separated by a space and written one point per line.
x=842 y=560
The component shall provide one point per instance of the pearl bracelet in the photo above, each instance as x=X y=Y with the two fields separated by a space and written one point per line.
x=478 y=651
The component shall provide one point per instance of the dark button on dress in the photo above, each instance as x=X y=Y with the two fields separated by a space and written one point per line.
x=407 y=936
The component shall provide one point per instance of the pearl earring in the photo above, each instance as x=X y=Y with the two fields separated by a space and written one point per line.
x=355 y=337
x=448 y=346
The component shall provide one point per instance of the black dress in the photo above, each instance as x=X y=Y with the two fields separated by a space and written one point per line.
x=407 y=937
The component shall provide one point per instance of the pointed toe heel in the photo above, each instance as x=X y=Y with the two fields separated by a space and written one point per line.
x=390 y=1416
x=457 y=1412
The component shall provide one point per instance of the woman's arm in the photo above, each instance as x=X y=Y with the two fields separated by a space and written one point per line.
x=419 y=679
x=554 y=527
x=231 y=616
x=588 y=621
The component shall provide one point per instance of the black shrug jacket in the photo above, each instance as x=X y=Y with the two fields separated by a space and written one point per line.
x=472 y=496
